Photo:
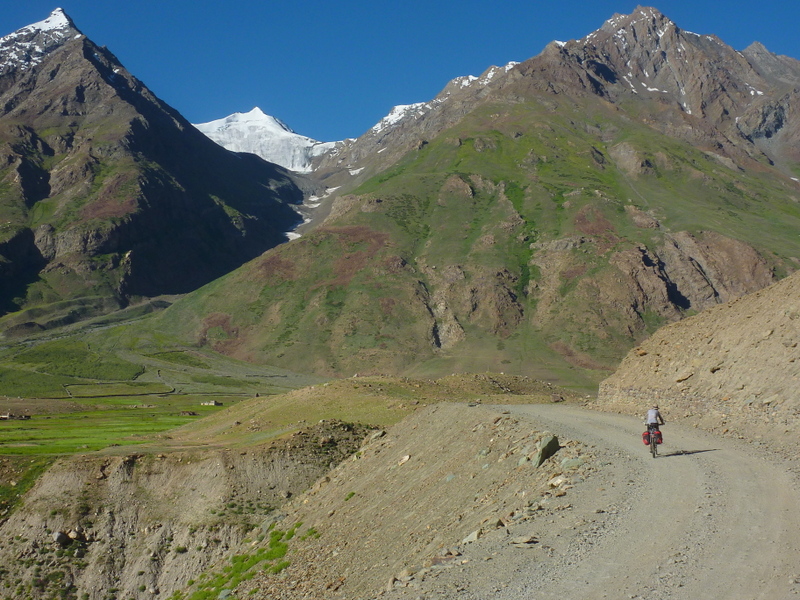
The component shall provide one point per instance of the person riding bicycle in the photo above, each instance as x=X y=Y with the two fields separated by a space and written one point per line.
x=654 y=418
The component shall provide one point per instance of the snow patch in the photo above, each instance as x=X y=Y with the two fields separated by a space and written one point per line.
x=419 y=109
x=487 y=76
x=314 y=201
x=397 y=114
x=652 y=89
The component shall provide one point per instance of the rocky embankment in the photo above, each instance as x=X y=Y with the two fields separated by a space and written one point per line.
x=143 y=525
x=732 y=369
x=387 y=509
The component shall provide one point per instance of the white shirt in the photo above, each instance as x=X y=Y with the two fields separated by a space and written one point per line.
x=653 y=416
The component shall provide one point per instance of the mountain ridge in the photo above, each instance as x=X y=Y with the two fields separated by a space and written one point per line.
x=107 y=189
x=499 y=213
x=645 y=22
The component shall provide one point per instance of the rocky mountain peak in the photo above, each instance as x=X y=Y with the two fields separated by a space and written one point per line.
x=119 y=174
x=777 y=69
x=644 y=19
x=647 y=54
x=26 y=47
x=644 y=34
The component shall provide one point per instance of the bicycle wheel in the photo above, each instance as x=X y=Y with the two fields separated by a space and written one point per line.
x=653 y=444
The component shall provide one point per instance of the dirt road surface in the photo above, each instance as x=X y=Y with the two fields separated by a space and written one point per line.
x=709 y=518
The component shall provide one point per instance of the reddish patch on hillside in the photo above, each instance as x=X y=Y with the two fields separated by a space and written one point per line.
x=591 y=221
x=213 y=321
x=394 y=264
x=232 y=348
x=273 y=266
x=359 y=247
x=574 y=272
x=578 y=359
x=112 y=202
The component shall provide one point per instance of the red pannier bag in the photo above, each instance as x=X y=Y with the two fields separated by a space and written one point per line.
x=659 y=439
x=646 y=438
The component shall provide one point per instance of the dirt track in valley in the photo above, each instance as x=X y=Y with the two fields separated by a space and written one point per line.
x=709 y=518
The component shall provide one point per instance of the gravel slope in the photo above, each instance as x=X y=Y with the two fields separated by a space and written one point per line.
x=448 y=505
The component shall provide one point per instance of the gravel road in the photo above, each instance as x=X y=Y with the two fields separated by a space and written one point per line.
x=709 y=518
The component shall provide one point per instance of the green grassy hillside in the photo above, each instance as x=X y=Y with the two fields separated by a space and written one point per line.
x=494 y=246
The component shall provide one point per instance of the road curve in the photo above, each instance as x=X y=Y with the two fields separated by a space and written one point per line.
x=710 y=518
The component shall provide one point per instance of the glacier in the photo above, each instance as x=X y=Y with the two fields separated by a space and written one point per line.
x=267 y=137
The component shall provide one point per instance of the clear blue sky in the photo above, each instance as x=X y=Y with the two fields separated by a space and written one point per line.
x=331 y=70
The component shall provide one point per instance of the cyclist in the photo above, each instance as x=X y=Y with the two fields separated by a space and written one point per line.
x=654 y=418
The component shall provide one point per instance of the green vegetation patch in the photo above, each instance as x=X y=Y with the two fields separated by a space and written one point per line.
x=91 y=430
x=218 y=380
x=30 y=384
x=242 y=567
x=115 y=389
x=125 y=388
x=73 y=358
x=17 y=476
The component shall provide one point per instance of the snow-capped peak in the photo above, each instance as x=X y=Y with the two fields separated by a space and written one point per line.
x=266 y=136
x=26 y=47
x=58 y=19
x=254 y=118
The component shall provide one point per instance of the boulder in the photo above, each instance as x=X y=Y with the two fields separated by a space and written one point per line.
x=547 y=448
x=61 y=538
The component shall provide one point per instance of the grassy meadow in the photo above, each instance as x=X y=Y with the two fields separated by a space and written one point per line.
x=92 y=391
